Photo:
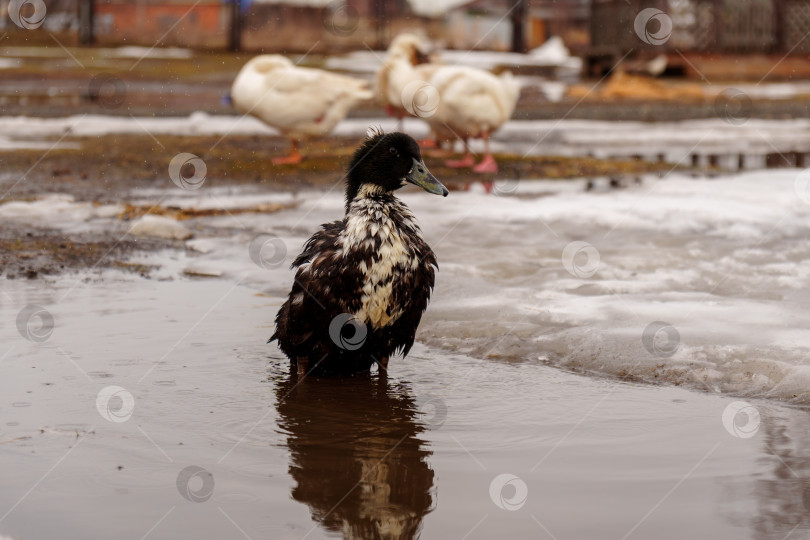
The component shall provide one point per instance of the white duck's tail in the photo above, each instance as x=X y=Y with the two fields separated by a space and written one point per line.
x=363 y=91
x=352 y=90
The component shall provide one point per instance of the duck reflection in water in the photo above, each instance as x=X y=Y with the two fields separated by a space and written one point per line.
x=773 y=499
x=356 y=455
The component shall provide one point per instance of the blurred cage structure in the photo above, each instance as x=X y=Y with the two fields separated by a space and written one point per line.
x=699 y=28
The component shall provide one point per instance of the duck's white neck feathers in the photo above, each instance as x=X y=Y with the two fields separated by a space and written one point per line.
x=380 y=237
x=367 y=190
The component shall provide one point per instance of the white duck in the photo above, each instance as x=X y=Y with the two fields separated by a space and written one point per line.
x=405 y=66
x=456 y=101
x=472 y=103
x=302 y=103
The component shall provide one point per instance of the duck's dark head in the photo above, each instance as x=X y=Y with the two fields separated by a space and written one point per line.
x=384 y=162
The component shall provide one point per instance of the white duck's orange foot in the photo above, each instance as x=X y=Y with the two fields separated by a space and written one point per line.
x=487 y=165
x=467 y=161
x=292 y=159
x=428 y=143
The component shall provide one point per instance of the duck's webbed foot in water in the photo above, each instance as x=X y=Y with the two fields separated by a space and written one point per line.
x=293 y=158
x=382 y=367
x=467 y=161
x=430 y=142
x=487 y=165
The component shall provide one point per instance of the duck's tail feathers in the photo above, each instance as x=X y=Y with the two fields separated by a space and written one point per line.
x=511 y=83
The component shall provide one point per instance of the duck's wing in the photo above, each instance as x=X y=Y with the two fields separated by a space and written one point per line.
x=471 y=99
x=310 y=80
x=324 y=287
x=298 y=96
x=414 y=292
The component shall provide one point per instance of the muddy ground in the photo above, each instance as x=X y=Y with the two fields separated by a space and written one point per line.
x=34 y=253
x=107 y=169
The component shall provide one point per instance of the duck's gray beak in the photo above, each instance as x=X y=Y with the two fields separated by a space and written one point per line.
x=420 y=176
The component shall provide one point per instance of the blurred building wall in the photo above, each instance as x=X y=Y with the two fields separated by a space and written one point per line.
x=189 y=24
x=278 y=26
x=317 y=25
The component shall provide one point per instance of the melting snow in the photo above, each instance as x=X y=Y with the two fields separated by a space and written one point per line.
x=695 y=282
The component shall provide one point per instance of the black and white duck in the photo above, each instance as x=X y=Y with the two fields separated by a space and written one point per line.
x=363 y=282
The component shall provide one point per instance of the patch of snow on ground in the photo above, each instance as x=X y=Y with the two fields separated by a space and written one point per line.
x=133 y=51
x=59 y=211
x=553 y=53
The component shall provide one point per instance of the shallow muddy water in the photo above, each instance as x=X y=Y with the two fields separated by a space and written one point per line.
x=418 y=453
x=154 y=408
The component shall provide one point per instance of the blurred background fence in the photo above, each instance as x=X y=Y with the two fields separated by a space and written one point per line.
x=700 y=38
x=700 y=28
x=723 y=26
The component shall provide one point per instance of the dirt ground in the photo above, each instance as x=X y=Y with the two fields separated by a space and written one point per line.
x=107 y=169
x=33 y=253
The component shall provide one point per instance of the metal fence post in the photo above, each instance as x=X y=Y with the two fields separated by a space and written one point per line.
x=86 y=34
x=235 y=34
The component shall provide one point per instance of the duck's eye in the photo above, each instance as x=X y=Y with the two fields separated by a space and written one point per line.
x=392 y=150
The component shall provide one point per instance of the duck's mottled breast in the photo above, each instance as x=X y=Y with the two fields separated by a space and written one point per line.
x=382 y=240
